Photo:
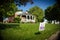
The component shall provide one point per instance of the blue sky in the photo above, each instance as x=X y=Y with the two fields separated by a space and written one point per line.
x=43 y=4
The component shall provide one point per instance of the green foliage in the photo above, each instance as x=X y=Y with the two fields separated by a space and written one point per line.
x=17 y=19
x=53 y=12
x=38 y=12
x=23 y=2
x=10 y=10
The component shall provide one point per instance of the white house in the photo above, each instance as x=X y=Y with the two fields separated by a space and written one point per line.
x=25 y=16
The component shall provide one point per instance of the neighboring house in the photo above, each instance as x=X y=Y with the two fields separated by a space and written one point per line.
x=25 y=16
x=8 y=19
x=11 y=19
x=5 y=20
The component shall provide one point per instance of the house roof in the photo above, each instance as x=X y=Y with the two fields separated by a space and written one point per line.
x=19 y=12
x=23 y=13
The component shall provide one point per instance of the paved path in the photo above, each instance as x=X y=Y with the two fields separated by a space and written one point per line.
x=55 y=36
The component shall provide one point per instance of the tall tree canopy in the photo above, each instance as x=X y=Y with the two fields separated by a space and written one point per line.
x=58 y=2
x=38 y=12
x=8 y=7
x=53 y=13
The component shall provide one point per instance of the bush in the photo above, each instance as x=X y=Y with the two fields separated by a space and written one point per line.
x=17 y=19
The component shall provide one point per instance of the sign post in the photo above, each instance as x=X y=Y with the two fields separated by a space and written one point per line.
x=41 y=26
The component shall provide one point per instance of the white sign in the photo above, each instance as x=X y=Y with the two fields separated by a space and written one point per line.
x=42 y=26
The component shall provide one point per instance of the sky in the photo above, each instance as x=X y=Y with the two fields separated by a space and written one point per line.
x=43 y=4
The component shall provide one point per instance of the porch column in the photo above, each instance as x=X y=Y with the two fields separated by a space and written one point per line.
x=29 y=17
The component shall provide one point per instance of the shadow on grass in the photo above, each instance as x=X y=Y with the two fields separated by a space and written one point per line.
x=38 y=33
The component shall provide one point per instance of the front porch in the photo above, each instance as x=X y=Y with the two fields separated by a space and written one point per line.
x=27 y=18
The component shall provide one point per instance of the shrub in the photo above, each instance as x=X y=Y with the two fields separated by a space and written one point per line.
x=17 y=19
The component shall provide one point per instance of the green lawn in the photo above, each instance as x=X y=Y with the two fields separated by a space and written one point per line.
x=28 y=31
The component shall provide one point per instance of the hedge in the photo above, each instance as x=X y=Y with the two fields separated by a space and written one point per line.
x=9 y=25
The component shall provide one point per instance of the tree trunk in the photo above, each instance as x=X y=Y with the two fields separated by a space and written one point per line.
x=1 y=17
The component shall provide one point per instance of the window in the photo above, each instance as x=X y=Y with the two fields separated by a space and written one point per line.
x=28 y=17
x=23 y=15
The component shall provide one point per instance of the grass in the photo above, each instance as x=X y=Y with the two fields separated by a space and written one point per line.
x=27 y=31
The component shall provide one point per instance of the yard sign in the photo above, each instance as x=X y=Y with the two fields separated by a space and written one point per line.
x=42 y=26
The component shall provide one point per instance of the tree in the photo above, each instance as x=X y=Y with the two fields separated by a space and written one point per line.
x=23 y=2
x=10 y=11
x=38 y=12
x=58 y=2
x=8 y=7
x=48 y=13
x=53 y=12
